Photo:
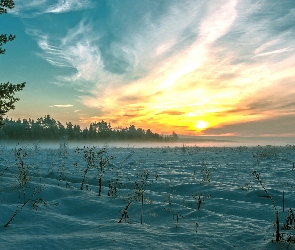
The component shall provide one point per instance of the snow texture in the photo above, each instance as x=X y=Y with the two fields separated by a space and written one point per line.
x=178 y=197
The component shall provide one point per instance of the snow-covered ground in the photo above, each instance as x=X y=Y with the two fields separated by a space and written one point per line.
x=163 y=197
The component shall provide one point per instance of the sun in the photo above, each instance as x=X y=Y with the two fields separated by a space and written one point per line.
x=201 y=125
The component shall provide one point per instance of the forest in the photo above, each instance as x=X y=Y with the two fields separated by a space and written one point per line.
x=47 y=128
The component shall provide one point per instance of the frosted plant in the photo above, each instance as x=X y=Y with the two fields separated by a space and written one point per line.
x=139 y=189
x=200 y=198
x=95 y=159
x=206 y=171
x=125 y=215
x=22 y=174
x=64 y=147
x=278 y=235
x=176 y=214
x=23 y=169
x=36 y=191
x=117 y=183
x=62 y=173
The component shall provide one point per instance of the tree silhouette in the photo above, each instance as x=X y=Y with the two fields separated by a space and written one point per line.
x=47 y=128
x=7 y=90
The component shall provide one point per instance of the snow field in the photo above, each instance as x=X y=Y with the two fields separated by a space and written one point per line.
x=211 y=186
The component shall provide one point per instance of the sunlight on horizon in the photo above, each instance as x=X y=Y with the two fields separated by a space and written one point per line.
x=201 y=125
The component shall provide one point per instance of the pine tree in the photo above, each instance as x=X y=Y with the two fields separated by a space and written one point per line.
x=7 y=90
x=4 y=38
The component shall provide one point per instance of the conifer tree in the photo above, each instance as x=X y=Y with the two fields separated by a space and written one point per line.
x=7 y=90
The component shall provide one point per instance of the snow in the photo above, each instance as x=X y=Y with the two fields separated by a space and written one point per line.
x=235 y=212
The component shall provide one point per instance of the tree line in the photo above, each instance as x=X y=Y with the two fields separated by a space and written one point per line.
x=47 y=128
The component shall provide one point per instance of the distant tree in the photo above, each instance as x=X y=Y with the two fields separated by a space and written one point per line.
x=70 y=131
x=7 y=90
x=50 y=128
x=104 y=130
x=174 y=136
x=85 y=133
x=77 y=132
x=131 y=132
x=92 y=131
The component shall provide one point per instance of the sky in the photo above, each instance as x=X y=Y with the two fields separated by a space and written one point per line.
x=202 y=67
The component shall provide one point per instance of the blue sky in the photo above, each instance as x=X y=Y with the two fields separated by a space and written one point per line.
x=194 y=67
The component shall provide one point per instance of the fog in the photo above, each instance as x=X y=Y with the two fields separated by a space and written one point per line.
x=202 y=141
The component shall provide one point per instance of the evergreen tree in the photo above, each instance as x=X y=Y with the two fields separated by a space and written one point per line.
x=4 y=38
x=7 y=99
x=7 y=90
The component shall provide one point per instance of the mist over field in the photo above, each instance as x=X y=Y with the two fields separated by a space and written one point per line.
x=200 y=141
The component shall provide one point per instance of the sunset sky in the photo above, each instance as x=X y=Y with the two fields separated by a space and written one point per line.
x=194 y=67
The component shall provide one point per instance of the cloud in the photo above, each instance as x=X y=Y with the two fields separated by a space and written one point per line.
x=133 y=56
x=75 y=50
x=218 y=22
x=28 y=8
x=278 y=125
x=69 y=5
x=278 y=51
x=62 y=105
x=33 y=8
x=171 y=112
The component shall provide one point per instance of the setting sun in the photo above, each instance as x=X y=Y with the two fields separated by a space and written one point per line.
x=201 y=125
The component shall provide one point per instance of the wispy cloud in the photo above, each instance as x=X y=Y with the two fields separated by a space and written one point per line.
x=76 y=50
x=68 y=5
x=29 y=9
x=277 y=51
x=62 y=106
